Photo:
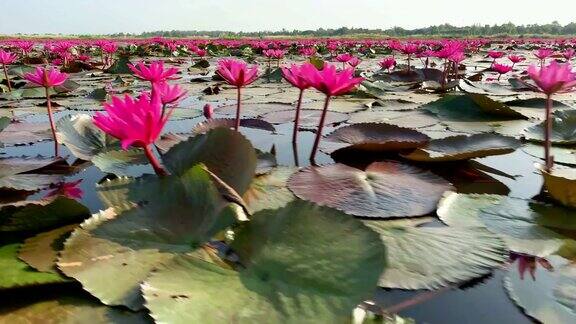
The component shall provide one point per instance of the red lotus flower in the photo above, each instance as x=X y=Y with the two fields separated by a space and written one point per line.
x=344 y=58
x=307 y=51
x=354 y=62
x=237 y=72
x=7 y=57
x=516 y=58
x=46 y=77
x=501 y=69
x=495 y=54
x=569 y=54
x=67 y=189
x=543 y=53
x=154 y=73
x=387 y=63
x=551 y=79
x=297 y=76
x=331 y=83
x=136 y=123
x=170 y=94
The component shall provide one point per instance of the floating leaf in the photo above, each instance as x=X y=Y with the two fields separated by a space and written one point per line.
x=384 y=190
x=549 y=298
x=373 y=137
x=83 y=138
x=210 y=124
x=225 y=152
x=463 y=210
x=16 y=273
x=41 y=214
x=308 y=117
x=12 y=176
x=41 y=251
x=434 y=257
x=181 y=214
x=563 y=129
x=119 y=162
x=284 y=278
x=561 y=185
x=269 y=191
x=25 y=133
x=462 y=147
x=564 y=155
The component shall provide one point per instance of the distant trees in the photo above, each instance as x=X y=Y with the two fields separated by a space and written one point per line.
x=444 y=30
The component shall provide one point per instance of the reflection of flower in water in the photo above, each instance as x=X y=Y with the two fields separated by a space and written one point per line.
x=529 y=263
x=67 y=189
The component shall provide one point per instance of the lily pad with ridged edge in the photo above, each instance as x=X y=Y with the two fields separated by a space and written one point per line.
x=531 y=227
x=12 y=176
x=120 y=162
x=182 y=212
x=40 y=215
x=563 y=129
x=210 y=124
x=384 y=190
x=285 y=279
x=434 y=257
x=225 y=152
x=41 y=251
x=564 y=155
x=16 y=273
x=494 y=107
x=561 y=185
x=308 y=117
x=373 y=137
x=462 y=147
x=269 y=190
x=462 y=108
x=83 y=138
x=463 y=210
x=68 y=308
x=549 y=298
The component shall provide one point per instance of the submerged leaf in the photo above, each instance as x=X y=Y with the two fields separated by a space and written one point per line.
x=16 y=273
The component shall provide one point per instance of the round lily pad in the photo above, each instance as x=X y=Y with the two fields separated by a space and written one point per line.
x=207 y=125
x=462 y=147
x=283 y=278
x=384 y=190
x=374 y=137
x=563 y=129
x=308 y=117
x=561 y=185
x=269 y=190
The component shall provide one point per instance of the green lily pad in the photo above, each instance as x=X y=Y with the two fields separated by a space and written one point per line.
x=16 y=273
x=549 y=298
x=12 y=176
x=564 y=155
x=563 y=129
x=225 y=152
x=284 y=278
x=561 y=185
x=41 y=214
x=182 y=212
x=83 y=138
x=270 y=190
x=434 y=257
x=308 y=117
x=4 y=122
x=462 y=147
x=120 y=162
x=41 y=251
x=384 y=190
x=373 y=137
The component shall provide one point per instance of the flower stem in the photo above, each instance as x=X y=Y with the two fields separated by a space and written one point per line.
x=154 y=161
x=7 y=78
x=297 y=118
x=238 y=107
x=319 y=131
x=547 y=134
x=52 y=126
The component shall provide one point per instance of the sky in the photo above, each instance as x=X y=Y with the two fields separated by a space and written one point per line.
x=136 y=16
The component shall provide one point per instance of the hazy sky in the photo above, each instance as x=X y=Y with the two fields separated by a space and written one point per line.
x=135 y=16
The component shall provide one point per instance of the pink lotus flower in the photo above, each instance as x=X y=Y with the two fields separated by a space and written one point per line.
x=543 y=53
x=307 y=51
x=46 y=77
x=136 y=123
x=238 y=74
x=554 y=78
x=495 y=54
x=354 y=62
x=201 y=52
x=387 y=63
x=170 y=94
x=344 y=58
x=66 y=189
x=331 y=83
x=296 y=75
x=7 y=57
x=551 y=79
x=516 y=58
x=569 y=54
x=501 y=69
x=154 y=73
x=409 y=48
